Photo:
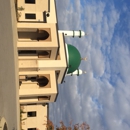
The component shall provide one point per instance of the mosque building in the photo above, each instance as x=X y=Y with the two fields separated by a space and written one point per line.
x=44 y=59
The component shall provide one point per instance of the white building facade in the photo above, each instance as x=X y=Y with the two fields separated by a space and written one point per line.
x=44 y=59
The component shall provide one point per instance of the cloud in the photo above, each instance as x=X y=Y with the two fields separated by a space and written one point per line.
x=101 y=97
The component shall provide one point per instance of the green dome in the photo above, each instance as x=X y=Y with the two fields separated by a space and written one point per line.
x=74 y=58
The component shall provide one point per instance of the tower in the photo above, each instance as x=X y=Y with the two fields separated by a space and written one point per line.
x=73 y=33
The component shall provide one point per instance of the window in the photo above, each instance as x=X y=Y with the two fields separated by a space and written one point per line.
x=27 y=52
x=31 y=128
x=31 y=114
x=30 y=16
x=30 y=1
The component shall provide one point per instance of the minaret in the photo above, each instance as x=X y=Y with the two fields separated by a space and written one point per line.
x=73 y=33
x=76 y=72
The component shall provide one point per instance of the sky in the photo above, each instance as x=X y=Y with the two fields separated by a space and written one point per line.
x=101 y=97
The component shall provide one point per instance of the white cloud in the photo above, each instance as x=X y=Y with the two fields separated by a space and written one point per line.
x=101 y=97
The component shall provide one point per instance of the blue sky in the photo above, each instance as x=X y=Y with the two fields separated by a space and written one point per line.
x=101 y=97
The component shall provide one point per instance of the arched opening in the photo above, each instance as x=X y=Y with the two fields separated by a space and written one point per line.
x=39 y=34
x=5 y=127
x=42 y=81
x=42 y=35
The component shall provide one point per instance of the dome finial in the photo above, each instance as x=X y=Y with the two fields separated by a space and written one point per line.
x=84 y=58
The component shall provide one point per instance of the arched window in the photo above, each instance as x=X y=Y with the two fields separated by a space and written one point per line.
x=42 y=81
